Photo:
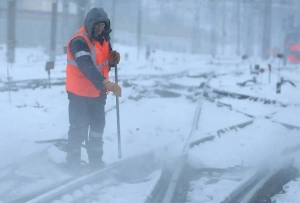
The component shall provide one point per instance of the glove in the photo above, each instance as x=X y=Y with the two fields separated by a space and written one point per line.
x=114 y=58
x=111 y=86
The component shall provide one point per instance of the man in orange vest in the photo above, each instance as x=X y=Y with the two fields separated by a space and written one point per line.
x=89 y=58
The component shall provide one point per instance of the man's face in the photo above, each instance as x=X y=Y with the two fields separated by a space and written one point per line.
x=98 y=28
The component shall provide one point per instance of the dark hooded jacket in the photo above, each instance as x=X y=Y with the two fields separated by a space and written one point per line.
x=85 y=62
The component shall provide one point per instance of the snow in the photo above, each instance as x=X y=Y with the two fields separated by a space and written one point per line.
x=284 y=115
x=289 y=94
x=201 y=187
x=239 y=146
x=150 y=120
x=292 y=193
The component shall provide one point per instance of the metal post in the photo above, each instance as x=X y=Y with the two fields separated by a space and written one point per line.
x=139 y=28
x=52 y=39
x=248 y=40
x=11 y=39
x=266 y=43
x=238 y=28
x=11 y=31
x=53 y=31
x=278 y=77
x=213 y=34
x=81 y=5
x=118 y=116
x=118 y=112
x=270 y=69
x=296 y=11
x=278 y=87
x=195 y=40
x=65 y=22
x=49 y=79
x=223 y=26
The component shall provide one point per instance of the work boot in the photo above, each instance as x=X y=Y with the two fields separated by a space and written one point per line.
x=70 y=169
x=94 y=149
x=73 y=162
x=94 y=166
x=84 y=168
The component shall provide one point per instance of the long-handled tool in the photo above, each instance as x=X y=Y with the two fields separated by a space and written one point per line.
x=118 y=116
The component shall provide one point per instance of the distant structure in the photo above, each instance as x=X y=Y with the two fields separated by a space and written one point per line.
x=214 y=27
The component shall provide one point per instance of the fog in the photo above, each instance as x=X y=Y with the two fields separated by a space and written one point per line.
x=210 y=86
x=216 y=27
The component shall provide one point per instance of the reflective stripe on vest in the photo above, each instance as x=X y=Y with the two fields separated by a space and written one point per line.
x=84 y=53
x=99 y=67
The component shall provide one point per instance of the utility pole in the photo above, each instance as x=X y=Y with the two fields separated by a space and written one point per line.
x=223 y=26
x=11 y=31
x=250 y=28
x=139 y=27
x=52 y=55
x=65 y=22
x=11 y=39
x=213 y=37
x=53 y=31
x=195 y=42
x=297 y=13
x=266 y=44
x=81 y=5
x=238 y=28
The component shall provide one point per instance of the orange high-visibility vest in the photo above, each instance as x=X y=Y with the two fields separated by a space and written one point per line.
x=76 y=82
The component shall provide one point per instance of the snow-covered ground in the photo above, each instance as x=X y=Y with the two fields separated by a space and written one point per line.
x=149 y=120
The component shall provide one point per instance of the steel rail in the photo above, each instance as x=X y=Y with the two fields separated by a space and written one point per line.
x=245 y=96
x=211 y=136
x=181 y=162
x=165 y=187
x=166 y=182
x=132 y=167
x=287 y=125
x=57 y=190
x=253 y=190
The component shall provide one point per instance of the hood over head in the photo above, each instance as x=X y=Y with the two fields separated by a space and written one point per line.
x=94 y=16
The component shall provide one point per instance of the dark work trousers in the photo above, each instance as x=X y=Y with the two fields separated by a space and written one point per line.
x=87 y=121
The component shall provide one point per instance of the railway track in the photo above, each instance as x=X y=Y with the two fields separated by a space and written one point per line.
x=250 y=97
x=88 y=186
x=127 y=170
x=15 y=85
x=166 y=182
x=265 y=101
x=258 y=187
x=251 y=185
